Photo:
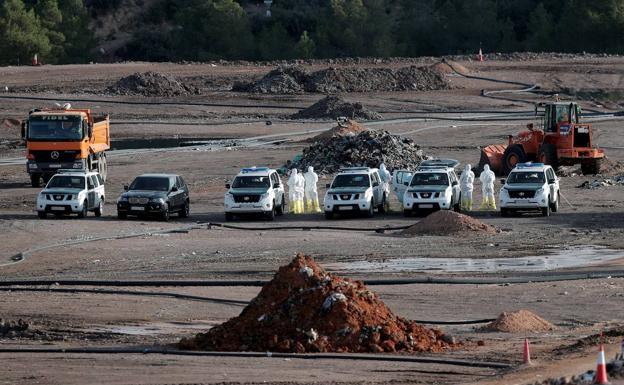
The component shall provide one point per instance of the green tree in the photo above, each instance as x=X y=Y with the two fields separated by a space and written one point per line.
x=51 y=17
x=541 y=30
x=274 y=42
x=305 y=46
x=21 y=34
x=79 y=38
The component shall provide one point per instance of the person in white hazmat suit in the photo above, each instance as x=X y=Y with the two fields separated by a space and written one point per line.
x=386 y=179
x=487 y=185
x=295 y=194
x=466 y=183
x=311 y=192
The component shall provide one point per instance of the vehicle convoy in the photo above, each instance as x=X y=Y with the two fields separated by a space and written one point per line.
x=355 y=189
x=65 y=138
x=434 y=186
x=72 y=191
x=255 y=190
x=564 y=141
x=156 y=195
x=530 y=186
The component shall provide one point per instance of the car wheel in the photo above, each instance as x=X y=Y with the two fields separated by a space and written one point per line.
x=554 y=207
x=329 y=215
x=281 y=208
x=546 y=211
x=504 y=212
x=229 y=216
x=271 y=214
x=100 y=209
x=164 y=216
x=407 y=213
x=382 y=207
x=42 y=214
x=121 y=215
x=83 y=213
x=35 y=180
x=457 y=205
x=185 y=211
x=371 y=209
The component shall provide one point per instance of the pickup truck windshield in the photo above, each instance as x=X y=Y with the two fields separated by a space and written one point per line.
x=356 y=180
x=430 y=179
x=66 y=181
x=50 y=127
x=251 y=182
x=526 y=177
x=150 y=183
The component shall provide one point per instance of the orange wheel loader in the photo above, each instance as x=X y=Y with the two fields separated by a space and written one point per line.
x=564 y=141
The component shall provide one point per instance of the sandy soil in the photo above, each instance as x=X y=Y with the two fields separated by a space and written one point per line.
x=578 y=308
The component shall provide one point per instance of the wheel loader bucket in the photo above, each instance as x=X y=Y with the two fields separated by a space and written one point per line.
x=493 y=156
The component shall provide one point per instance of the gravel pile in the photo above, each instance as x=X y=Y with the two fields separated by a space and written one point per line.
x=521 y=321
x=305 y=309
x=13 y=329
x=293 y=80
x=150 y=84
x=367 y=148
x=599 y=183
x=446 y=222
x=333 y=107
x=344 y=128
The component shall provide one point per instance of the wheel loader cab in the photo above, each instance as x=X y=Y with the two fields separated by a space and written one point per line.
x=560 y=113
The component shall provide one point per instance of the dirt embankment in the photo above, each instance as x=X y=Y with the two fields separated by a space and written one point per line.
x=446 y=222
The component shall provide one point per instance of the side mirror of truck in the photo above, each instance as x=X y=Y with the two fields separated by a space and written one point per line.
x=551 y=181
x=375 y=184
x=228 y=186
x=174 y=189
x=406 y=183
x=276 y=185
x=90 y=130
x=454 y=183
x=125 y=187
x=503 y=181
x=327 y=185
x=24 y=127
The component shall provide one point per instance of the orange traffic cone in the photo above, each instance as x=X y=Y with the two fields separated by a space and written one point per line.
x=601 y=368
x=526 y=354
x=480 y=57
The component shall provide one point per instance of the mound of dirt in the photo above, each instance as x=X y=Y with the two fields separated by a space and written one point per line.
x=290 y=80
x=518 y=322
x=150 y=84
x=367 y=148
x=448 y=67
x=282 y=80
x=447 y=222
x=334 y=107
x=10 y=123
x=348 y=128
x=305 y=309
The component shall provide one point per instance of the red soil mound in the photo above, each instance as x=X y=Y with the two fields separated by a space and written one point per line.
x=446 y=222
x=305 y=309
x=519 y=322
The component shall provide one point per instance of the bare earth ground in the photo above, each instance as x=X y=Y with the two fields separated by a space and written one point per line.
x=579 y=308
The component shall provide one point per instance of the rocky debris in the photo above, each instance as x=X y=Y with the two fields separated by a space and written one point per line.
x=305 y=309
x=343 y=128
x=10 y=123
x=447 y=222
x=599 y=183
x=13 y=329
x=293 y=80
x=520 y=321
x=449 y=67
x=333 y=107
x=615 y=370
x=367 y=148
x=150 y=84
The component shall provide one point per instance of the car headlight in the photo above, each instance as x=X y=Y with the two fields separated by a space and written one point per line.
x=122 y=199
x=157 y=200
x=81 y=195
x=228 y=196
x=368 y=194
x=264 y=196
x=539 y=191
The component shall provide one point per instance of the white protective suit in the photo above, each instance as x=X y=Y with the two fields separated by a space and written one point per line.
x=466 y=184
x=487 y=185
x=295 y=192
x=386 y=178
x=311 y=191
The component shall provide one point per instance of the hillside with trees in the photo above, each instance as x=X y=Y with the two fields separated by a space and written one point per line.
x=76 y=31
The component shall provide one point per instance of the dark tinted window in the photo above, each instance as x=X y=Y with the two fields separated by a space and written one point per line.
x=351 y=180
x=151 y=183
x=66 y=181
x=430 y=179
x=55 y=127
x=251 y=182
x=526 y=177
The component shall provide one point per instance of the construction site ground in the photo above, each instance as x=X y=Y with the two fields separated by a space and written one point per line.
x=589 y=225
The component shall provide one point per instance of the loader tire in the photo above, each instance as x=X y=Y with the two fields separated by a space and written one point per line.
x=547 y=154
x=512 y=156
x=591 y=166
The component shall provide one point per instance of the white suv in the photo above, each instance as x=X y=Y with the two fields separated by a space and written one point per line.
x=256 y=190
x=72 y=191
x=433 y=186
x=530 y=186
x=355 y=189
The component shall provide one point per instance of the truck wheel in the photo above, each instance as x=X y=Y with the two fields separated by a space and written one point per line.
x=35 y=180
x=42 y=214
x=513 y=155
x=229 y=217
x=83 y=213
x=591 y=166
x=104 y=172
x=100 y=209
x=186 y=210
x=547 y=154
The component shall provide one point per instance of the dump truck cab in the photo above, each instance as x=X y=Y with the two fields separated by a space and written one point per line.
x=65 y=139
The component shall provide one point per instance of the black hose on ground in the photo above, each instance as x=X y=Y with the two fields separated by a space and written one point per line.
x=308 y=356
x=305 y=228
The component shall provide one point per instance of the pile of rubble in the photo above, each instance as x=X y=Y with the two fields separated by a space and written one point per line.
x=333 y=107
x=366 y=148
x=150 y=84
x=343 y=128
x=305 y=309
x=294 y=80
x=521 y=321
x=13 y=329
x=447 y=222
x=598 y=183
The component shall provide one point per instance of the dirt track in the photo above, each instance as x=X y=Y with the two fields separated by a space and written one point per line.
x=579 y=308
